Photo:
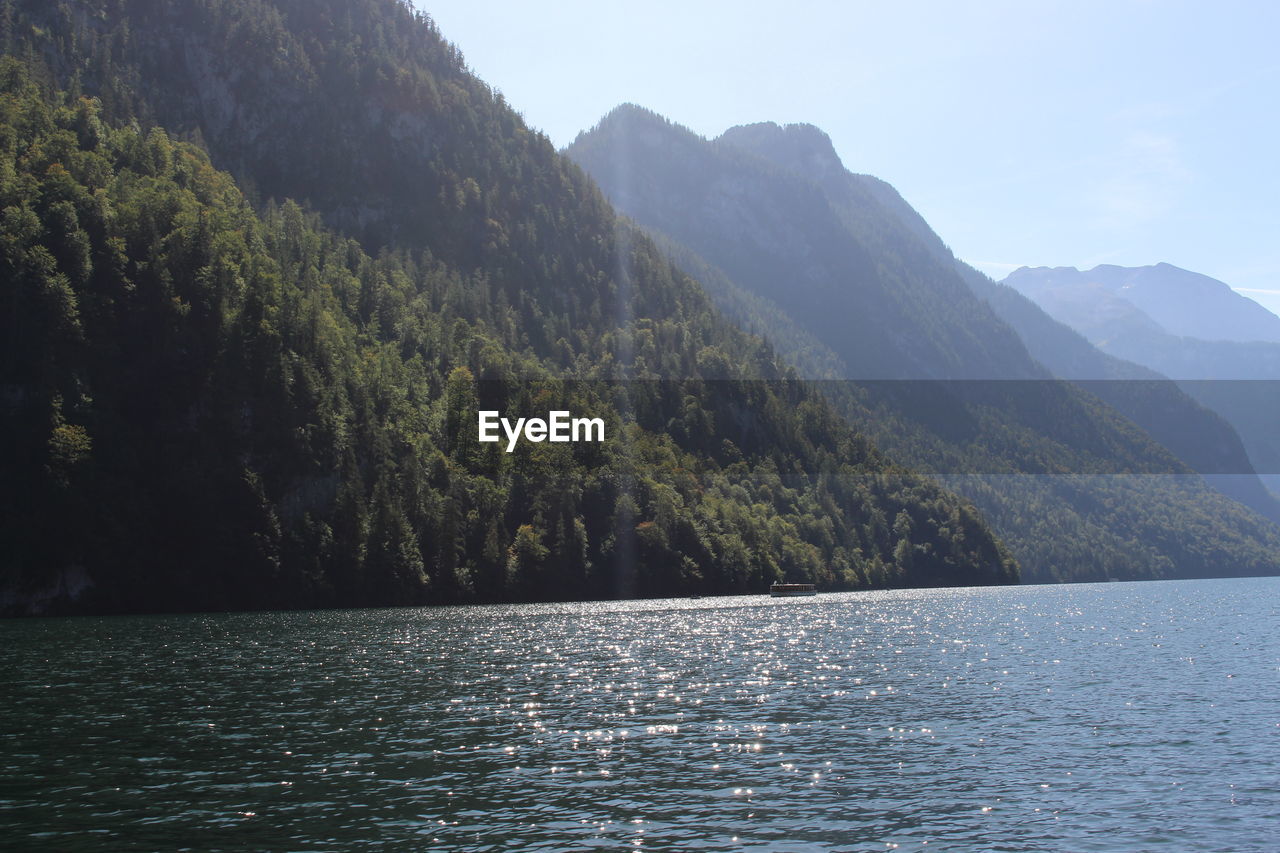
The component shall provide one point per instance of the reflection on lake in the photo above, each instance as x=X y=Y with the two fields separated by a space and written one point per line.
x=1093 y=717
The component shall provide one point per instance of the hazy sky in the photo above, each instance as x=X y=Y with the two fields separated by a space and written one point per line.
x=1027 y=132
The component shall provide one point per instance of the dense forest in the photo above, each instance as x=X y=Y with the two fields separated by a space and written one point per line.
x=258 y=387
x=266 y=258
x=856 y=290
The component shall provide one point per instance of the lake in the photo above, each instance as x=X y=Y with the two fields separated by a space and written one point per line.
x=1121 y=716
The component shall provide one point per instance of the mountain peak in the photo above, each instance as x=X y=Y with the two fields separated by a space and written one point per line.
x=1181 y=302
x=801 y=147
x=629 y=111
x=629 y=121
x=627 y=116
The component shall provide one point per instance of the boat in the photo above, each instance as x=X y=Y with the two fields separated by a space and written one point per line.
x=780 y=590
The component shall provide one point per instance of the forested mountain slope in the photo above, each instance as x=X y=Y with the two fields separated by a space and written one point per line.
x=1186 y=423
x=1218 y=345
x=828 y=264
x=216 y=404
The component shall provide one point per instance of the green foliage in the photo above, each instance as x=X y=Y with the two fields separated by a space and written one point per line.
x=214 y=402
x=218 y=407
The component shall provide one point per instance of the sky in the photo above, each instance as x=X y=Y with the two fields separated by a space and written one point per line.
x=1033 y=132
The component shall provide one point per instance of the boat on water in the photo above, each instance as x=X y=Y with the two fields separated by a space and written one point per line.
x=781 y=590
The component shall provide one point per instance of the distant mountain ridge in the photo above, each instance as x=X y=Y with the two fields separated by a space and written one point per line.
x=1183 y=303
x=1189 y=421
x=1121 y=318
x=755 y=212
x=1116 y=309
x=1198 y=423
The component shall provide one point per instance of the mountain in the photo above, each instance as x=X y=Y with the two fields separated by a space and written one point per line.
x=1207 y=426
x=1194 y=431
x=852 y=284
x=1228 y=359
x=264 y=261
x=1180 y=302
x=823 y=246
x=1119 y=310
x=1198 y=424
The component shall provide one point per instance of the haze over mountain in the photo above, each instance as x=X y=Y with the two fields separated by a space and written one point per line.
x=1192 y=425
x=1180 y=302
x=1200 y=427
x=1220 y=346
x=1101 y=308
x=829 y=263
x=825 y=245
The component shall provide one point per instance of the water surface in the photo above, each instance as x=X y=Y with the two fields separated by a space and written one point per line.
x=1091 y=717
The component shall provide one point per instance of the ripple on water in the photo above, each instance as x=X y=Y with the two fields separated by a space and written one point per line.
x=1035 y=718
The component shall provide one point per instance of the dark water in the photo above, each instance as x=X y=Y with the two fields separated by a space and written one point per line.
x=1101 y=717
